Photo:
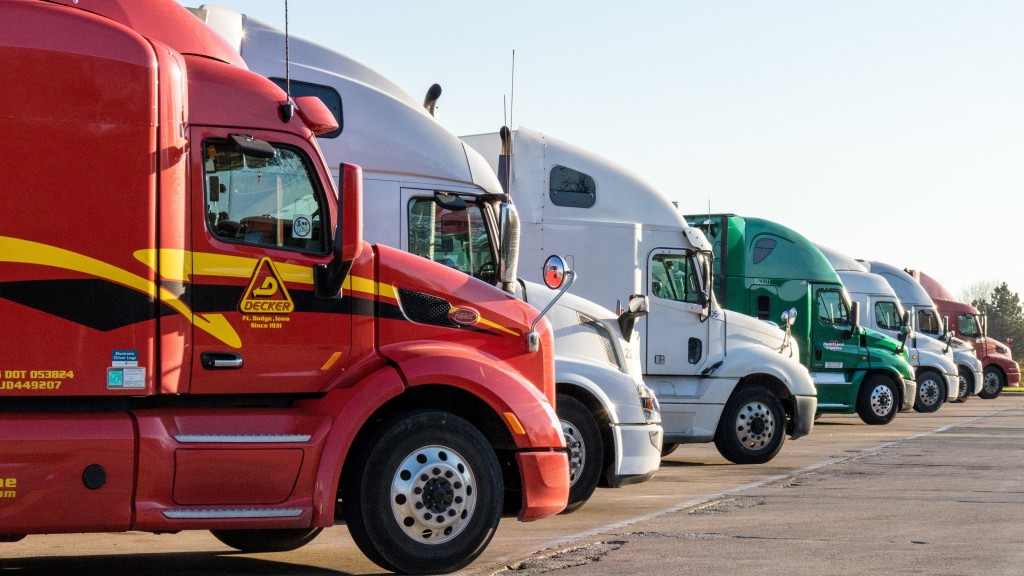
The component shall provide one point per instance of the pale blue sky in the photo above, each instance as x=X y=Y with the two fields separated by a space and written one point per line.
x=887 y=129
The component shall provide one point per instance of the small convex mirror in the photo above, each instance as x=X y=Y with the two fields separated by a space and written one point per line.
x=554 y=272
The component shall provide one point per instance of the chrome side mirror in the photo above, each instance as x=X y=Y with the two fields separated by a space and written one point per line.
x=556 y=275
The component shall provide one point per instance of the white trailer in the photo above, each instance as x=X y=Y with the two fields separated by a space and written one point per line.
x=880 y=309
x=926 y=322
x=719 y=376
x=426 y=192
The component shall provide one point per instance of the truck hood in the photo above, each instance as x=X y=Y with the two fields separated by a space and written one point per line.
x=994 y=347
x=757 y=332
x=877 y=340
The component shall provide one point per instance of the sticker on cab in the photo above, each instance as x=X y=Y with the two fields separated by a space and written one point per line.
x=266 y=292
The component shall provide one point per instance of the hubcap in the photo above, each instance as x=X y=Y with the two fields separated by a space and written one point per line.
x=881 y=400
x=929 y=392
x=755 y=425
x=577 y=451
x=433 y=494
x=992 y=382
x=962 y=393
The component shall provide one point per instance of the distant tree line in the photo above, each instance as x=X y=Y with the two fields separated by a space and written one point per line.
x=1003 y=308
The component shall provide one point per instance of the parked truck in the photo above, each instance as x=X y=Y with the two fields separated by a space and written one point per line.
x=719 y=377
x=934 y=369
x=968 y=324
x=200 y=338
x=764 y=269
x=430 y=194
x=926 y=321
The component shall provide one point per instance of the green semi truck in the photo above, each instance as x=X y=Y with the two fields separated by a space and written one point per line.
x=771 y=272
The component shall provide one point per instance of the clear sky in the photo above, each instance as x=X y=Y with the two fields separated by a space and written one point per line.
x=889 y=130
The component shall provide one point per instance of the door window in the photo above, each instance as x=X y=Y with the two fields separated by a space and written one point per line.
x=887 y=315
x=262 y=201
x=458 y=239
x=673 y=277
x=968 y=325
x=928 y=322
x=832 y=308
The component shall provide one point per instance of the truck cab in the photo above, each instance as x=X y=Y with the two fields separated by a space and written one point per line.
x=764 y=269
x=428 y=193
x=708 y=367
x=926 y=322
x=934 y=369
x=967 y=323
x=203 y=340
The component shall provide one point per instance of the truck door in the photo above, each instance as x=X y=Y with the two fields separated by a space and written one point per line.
x=833 y=346
x=677 y=331
x=260 y=224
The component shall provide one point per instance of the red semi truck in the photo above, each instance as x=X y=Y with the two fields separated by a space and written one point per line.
x=195 y=335
x=968 y=324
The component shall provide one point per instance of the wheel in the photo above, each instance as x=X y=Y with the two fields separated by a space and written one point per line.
x=752 y=427
x=993 y=383
x=931 y=392
x=667 y=449
x=275 y=540
x=877 y=401
x=425 y=494
x=966 y=381
x=586 y=449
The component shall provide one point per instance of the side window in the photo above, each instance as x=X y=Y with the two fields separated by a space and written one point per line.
x=568 y=187
x=763 y=308
x=887 y=315
x=673 y=278
x=263 y=201
x=927 y=322
x=968 y=325
x=457 y=239
x=328 y=95
x=762 y=249
x=832 y=309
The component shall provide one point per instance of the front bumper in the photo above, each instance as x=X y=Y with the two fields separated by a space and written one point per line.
x=909 y=394
x=952 y=386
x=979 y=382
x=545 y=480
x=638 y=456
x=1013 y=379
x=804 y=408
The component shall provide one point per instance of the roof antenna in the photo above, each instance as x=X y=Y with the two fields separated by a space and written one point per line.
x=288 y=108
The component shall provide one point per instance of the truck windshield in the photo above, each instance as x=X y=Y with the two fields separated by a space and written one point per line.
x=968 y=324
x=463 y=239
x=832 y=308
x=678 y=277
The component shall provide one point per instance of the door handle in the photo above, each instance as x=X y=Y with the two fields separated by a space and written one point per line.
x=220 y=360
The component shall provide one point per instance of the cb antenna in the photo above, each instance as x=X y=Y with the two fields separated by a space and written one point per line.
x=287 y=109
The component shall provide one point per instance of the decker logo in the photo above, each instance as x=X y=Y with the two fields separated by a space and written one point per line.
x=463 y=316
x=266 y=292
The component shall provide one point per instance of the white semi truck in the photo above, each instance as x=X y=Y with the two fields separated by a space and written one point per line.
x=926 y=322
x=880 y=309
x=719 y=376
x=428 y=193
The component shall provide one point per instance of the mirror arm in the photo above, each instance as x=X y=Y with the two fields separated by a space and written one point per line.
x=533 y=338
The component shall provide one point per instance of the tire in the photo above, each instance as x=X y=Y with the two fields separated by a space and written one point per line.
x=752 y=427
x=966 y=381
x=667 y=449
x=931 y=392
x=877 y=400
x=272 y=540
x=423 y=494
x=586 y=449
x=992 y=385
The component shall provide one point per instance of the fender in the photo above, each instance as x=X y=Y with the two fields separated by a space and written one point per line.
x=931 y=359
x=747 y=360
x=491 y=380
x=585 y=375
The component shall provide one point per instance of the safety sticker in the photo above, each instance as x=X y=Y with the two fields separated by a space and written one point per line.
x=125 y=358
x=127 y=378
x=302 y=227
x=266 y=292
x=833 y=364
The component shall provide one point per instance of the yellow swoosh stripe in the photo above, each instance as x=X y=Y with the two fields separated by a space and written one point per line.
x=28 y=252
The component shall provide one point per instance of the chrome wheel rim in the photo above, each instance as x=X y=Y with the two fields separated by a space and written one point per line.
x=992 y=383
x=755 y=425
x=433 y=495
x=577 y=451
x=928 y=390
x=882 y=400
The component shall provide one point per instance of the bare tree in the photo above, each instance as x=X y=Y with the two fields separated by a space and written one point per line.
x=980 y=291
